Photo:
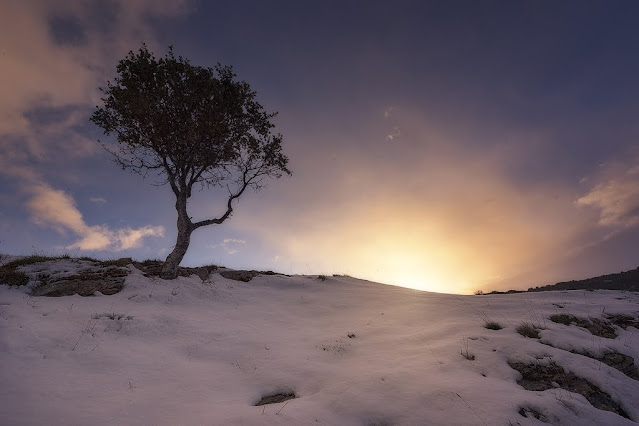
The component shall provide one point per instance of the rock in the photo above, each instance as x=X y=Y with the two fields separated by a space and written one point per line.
x=624 y=321
x=596 y=326
x=622 y=362
x=276 y=398
x=538 y=377
x=106 y=281
x=245 y=276
x=152 y=268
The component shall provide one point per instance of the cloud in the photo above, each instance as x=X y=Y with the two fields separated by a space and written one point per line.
x=230 y=245
x=54 y=57
x=616 y=195
x=56 y=209
x=98 y=200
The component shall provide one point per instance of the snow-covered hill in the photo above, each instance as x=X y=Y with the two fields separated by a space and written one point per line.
x=352 y=352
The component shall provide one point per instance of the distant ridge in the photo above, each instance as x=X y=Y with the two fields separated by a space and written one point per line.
x=628 y=281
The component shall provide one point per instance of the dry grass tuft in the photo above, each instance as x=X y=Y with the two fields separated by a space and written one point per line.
x=493 y=325
x=527 y=330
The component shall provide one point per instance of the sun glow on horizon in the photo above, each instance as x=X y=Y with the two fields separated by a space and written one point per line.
x=412 y=269
x=450 y=221
x=394 y=257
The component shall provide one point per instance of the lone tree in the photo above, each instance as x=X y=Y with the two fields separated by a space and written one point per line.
x=190 y=125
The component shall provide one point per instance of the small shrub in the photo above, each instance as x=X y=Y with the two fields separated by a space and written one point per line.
x=465 y=352
x=564 y=319
x=479 y=292
x=9 y=277
x=527 y=330
x=112 y=316
x=212 y=267
x=351 y=335
x=122 y=262
x=28 y=260
x=321 y=277
x=493 y=325
x=469 y=356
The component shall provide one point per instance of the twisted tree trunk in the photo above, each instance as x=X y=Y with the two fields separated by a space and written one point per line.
x=185 y=228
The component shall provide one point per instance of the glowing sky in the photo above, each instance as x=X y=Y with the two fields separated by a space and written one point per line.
x=448 y=146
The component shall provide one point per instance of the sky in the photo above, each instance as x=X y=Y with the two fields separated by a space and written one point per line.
x=444 y=146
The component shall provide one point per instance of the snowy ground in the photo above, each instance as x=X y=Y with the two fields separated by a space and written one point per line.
x=192 y=352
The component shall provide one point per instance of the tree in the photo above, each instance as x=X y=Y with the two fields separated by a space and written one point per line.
x=192 y=126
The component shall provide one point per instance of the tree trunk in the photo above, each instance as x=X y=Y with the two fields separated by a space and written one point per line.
x=185 y=228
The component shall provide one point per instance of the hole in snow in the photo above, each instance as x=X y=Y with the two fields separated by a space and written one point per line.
x=275 y=398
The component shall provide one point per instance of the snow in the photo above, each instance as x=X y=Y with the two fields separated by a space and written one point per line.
x=190 y=352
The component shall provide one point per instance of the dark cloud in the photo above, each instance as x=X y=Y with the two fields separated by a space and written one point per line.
x=67 y=30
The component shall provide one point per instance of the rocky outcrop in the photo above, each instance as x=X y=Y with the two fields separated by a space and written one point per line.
x=107 y=281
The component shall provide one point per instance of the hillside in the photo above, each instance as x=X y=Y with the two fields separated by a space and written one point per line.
x=628 y=281
x=313 y=350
